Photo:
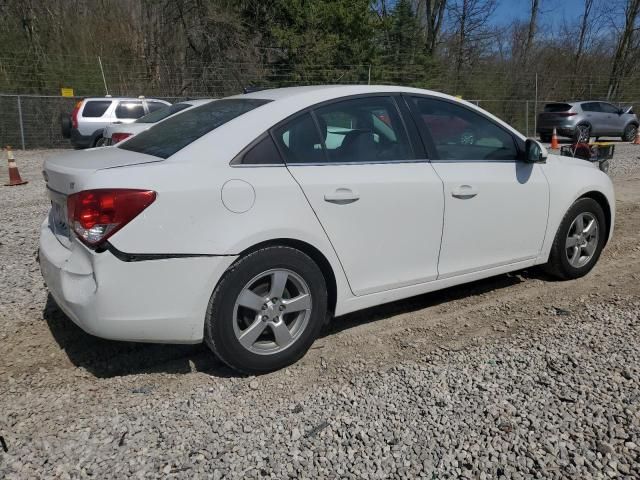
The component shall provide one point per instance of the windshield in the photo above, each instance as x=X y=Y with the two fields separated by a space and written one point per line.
x=162 y=113
x=175 y=133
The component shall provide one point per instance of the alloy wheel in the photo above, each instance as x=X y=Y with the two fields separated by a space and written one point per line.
x=272 y=311
x=584 y=133
x=582 y=240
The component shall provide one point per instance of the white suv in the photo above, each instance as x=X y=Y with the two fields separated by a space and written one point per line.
x=90 y=116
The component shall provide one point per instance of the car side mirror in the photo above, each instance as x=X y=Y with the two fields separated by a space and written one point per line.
x=534 y=152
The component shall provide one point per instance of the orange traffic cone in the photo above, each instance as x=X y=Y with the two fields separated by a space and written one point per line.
x=554 y=140
x=14 y=174
x=636 y=141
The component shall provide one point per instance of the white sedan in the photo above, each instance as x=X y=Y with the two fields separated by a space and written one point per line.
x=250 y=221
x=118 y=131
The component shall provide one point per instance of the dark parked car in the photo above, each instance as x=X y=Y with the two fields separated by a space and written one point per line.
x=582 y=120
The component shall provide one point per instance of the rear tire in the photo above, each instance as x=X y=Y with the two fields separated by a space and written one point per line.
x=65 y=125
x=577 y=249
x=267 y=310
x=629 y=133
x=97 y=142
x=582 y=134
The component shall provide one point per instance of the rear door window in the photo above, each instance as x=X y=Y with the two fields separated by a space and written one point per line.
x=300 y=141
x=175 y=133
x=364 y=130
x=95 y=108
x=591 y=107
x=129 y=109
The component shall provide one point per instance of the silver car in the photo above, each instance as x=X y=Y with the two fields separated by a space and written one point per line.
x=582 y=120
x=85 y=124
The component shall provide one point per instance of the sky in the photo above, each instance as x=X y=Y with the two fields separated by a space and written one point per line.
x=551 y=11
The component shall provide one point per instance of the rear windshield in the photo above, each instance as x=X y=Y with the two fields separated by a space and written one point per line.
x=162 y=113
x=175 y=133
x=557 y=107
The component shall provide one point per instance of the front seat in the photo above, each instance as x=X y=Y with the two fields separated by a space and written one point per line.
x=303 y=143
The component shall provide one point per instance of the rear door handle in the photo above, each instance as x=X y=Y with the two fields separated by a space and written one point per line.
x=464 y=191
x=342 y=196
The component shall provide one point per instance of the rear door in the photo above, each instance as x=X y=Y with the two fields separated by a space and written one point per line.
x=377 y=197
x=595 y=117
x=495 y=205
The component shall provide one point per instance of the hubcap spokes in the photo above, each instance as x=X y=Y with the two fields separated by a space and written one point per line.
x=272 y=311
x=582 y=240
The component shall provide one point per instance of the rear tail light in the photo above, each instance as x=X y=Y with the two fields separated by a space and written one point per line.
x=74 y=114
x=95 y=215
x=118 y=137
x=566 y=114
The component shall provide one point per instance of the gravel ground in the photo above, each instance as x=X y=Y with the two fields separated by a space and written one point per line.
x=517 y=376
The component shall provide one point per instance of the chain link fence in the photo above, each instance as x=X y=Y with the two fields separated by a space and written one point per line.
x=29 y=120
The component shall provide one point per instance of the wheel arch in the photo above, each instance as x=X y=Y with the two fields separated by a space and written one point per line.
x=606 y=208
x=316 y=255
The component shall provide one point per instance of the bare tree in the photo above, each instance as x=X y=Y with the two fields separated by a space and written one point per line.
x=531 y=31
x=470 y=19
x=624 y=49
x=431 y=14
x=584 y=31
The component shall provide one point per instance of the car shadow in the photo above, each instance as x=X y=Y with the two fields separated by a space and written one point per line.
x=433 y=299
x=107 y=358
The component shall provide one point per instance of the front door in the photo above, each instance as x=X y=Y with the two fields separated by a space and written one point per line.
x=614 y=121
x=380 y=205
x=495 y=205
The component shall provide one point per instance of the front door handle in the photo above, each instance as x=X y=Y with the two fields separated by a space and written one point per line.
x=464 y=191
x=342 y=196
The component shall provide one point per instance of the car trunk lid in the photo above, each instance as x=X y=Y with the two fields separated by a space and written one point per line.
x=69 y=173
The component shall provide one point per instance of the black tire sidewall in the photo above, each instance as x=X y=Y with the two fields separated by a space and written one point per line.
x=219 y=333
x=627 y=134
x=559 y=256
x=577 y=135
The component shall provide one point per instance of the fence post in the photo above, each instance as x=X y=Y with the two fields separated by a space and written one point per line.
x=535 y=110
x=526 y=117
x=20 y=120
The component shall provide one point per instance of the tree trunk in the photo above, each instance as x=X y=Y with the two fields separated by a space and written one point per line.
x=531 y=33
x=584 y=27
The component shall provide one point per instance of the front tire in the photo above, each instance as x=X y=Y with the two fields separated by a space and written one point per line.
x=579 y=240
x=629 y=133
x=267 y=310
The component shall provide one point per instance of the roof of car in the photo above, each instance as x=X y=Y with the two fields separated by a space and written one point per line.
x=197 y=101
x=124 y=98
x=331 y=91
